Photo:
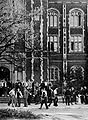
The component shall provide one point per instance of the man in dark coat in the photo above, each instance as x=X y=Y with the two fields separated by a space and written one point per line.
x=50 y=94
x=67 y=96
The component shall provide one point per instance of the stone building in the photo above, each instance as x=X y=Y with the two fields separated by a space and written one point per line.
x=62 y=31
x=65 y=40
x=67 y=33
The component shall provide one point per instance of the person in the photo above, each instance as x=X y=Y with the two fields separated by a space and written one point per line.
x=71 y=96
x=44 y=98
x=55 y=100
x=55 y=91
x=29 y=99
x=5 y=88
x=75 y=95
x=25 y=96
x=55 y=97
x=50 y=93
x=82 y=95
x=79 y=100
x=67 y=96
x=37 y=95
x=12 y=97
x=18 y=84
x=19 y=96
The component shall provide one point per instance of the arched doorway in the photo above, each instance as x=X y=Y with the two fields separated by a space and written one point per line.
x=4 y=74
x=76 y=76
x=4 y=80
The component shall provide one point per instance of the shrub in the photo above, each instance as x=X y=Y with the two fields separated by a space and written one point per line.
x=13 y=113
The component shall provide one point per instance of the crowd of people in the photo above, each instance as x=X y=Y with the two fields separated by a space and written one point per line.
x=72 y=96
x=40 y=94
x=44 y=94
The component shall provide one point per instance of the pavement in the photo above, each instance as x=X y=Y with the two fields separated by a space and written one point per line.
x=61 y=112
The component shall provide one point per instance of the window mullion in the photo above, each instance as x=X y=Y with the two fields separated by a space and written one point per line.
x=77 y=44
x=53 y=43
x=53 y=19
x=49 y=20
x=82 y=42
x=54 y=74
x=73 y=20
x=74 y=44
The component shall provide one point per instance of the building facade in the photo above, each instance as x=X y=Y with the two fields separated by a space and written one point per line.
x=62 y=32
x=64 y=42
x=68 y=21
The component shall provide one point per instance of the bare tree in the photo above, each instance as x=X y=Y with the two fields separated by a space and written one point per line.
x=15 y=33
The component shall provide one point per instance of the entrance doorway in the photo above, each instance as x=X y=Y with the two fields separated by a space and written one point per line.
x=4 y=80
x=76 y=77
x=4 y=74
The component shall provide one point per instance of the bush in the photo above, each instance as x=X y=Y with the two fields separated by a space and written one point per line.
x=13 y=113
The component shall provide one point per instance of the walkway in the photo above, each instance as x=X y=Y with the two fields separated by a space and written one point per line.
x=61 y=112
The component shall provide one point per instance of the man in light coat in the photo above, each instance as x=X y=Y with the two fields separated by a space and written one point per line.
x=12 y=98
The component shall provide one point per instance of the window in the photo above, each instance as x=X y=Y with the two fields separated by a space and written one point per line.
x=55 y=21
x=72 y=45
x=53 y=44
x=79 y=19
x=53 y=24
x=76 y=44
x=71 y=21
x=76 y=18
x=36 y=16
x=54 y=74
x=52 y=19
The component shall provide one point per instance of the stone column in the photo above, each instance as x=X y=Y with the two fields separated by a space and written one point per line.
x=12 y=73
x=41 y=31
x=64 y=40
x=20 y=73
x=32 y=31
x=24 y=75
x=15 y=74
x=64 y=47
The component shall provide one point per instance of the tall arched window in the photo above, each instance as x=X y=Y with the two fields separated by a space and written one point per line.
x=54 y=74
x=76 y=18
x=53 y=29
x=76 y=30
x=53 y=18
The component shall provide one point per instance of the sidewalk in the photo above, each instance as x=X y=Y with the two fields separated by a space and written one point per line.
x=61 y=112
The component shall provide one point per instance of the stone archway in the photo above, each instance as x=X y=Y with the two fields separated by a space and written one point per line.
x=4 y=73
x=76 y=76
x=4 y=80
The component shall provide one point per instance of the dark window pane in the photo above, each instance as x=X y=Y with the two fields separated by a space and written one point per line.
x=79 y=19
x=48 y=46
x=52 y=73
x=52 y=46
x=72 y=45
x=56 y=73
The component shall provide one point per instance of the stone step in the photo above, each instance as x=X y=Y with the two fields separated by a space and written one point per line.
x=6 y=99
